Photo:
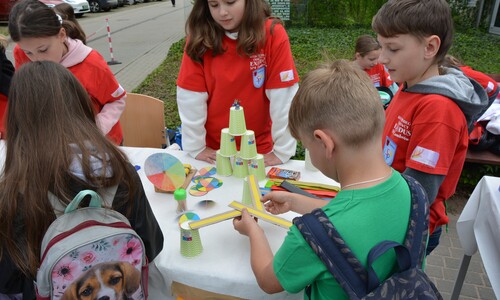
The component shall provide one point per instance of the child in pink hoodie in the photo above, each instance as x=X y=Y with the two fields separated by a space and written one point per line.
x=41 y=34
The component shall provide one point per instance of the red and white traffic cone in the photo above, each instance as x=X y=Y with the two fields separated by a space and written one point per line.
x=112 y=61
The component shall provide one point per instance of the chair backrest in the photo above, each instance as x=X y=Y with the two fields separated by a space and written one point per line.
x=143 y=122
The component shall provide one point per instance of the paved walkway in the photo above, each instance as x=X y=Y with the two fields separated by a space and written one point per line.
x=444 y=262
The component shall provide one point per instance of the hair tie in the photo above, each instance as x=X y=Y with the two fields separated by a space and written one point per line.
x=59 y=18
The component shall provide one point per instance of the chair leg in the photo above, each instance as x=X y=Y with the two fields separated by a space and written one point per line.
x=167 y=137
x=460 y=277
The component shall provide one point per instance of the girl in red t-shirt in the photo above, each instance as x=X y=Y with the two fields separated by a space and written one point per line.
x=41 y=34
x=366 y=55
x=236 y=50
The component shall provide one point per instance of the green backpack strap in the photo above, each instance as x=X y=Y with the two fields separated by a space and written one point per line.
x=95 y=200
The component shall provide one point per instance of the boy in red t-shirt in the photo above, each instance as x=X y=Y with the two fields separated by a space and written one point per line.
x=426 y=129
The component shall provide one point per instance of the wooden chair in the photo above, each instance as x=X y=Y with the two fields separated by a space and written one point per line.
x=143 y=122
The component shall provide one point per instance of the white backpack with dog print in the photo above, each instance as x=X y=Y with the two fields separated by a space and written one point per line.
x=91 y=253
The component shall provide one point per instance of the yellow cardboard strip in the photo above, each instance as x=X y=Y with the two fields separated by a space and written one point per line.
x=255 y=192
x=261 y=215
x=214 y=219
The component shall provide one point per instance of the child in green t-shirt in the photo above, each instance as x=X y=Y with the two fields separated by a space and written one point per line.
x=338 y=117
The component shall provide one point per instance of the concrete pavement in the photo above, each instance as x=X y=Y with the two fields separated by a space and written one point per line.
x=444 y=262
x=141 y=37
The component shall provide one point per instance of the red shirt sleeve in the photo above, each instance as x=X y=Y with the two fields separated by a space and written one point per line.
x=191 y=75
x=281 y=67
x=488 y=83
x=435 y=136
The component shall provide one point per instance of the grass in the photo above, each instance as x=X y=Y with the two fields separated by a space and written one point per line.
x=311 y=46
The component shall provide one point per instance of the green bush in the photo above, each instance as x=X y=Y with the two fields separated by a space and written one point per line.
x=465 y=17
x=327 y=13
x=472 y=173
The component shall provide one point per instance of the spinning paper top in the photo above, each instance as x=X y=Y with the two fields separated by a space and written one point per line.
x=189 y=216
x=165 y=171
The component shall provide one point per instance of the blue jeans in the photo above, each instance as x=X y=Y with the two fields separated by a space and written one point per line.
x=433 y=240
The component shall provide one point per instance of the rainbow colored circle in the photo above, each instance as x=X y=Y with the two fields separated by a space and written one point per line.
x=165 y=171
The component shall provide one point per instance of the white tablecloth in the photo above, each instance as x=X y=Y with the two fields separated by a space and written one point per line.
x=478 y=227
x=224 y=265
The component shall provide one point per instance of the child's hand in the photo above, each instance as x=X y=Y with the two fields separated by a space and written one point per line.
x=271 y=159
x=245 y=224
x=277 y=202
x=208 y=154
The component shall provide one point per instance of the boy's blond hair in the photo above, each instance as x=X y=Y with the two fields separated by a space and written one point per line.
x=341 y=98
x=420 y=18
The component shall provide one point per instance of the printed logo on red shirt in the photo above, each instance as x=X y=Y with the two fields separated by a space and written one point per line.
x=401 y=129
x=257 y=61
x=375 y=79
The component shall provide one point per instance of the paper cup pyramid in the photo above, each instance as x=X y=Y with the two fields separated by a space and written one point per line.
x=229 y=161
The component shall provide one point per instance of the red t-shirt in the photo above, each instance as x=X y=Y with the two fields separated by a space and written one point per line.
x=233 y=76
x=488 y=83
x=420 y=134
x=379 y=76
x=96 y=77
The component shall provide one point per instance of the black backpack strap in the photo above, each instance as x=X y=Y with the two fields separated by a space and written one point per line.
x=327 y=243
x=418 y=228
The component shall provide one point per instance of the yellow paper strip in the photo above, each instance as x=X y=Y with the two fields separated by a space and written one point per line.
x=255 y=192
x=262 y=215
x=214 y=219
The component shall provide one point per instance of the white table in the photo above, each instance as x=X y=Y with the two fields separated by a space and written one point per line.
x=478 y=228
x=224 y=266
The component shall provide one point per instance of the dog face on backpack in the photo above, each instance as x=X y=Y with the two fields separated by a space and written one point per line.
x=105 y=281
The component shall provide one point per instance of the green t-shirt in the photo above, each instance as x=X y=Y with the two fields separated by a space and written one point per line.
x=363 y=218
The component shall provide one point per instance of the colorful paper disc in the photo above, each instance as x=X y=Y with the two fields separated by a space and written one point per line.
x=207 y=171
x=189 y=216
x=193 y=191
x=165 y=171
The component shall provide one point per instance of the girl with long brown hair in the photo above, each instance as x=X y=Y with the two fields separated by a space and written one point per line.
x=236 y=50
x=54 y=146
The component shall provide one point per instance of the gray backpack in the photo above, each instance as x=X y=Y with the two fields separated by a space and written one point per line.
x=92 y=252
x=410 y=282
